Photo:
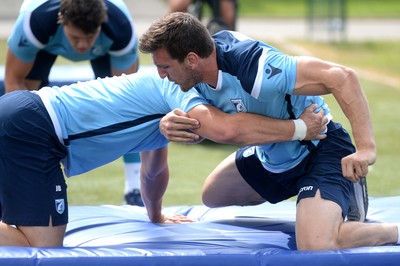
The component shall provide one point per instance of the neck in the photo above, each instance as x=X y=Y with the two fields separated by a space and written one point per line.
x=210 y=70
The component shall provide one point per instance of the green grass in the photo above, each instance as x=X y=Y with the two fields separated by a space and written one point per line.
x=382 y=57
x=299 y=8
x=189 y=165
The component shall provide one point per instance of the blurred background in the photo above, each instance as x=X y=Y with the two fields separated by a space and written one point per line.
x=362 y=34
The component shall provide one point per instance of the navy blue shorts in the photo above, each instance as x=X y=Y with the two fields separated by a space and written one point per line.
x=32 y=185
x=321 y=169
x=44 y=61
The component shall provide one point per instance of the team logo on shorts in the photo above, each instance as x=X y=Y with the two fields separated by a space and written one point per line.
x=60 y=205
x=239 y=105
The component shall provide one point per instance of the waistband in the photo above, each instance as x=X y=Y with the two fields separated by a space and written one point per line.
x=52 y=114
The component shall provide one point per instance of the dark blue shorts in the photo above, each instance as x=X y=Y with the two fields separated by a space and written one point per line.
x=32 y=185
x=321 y=169
x=44 y=61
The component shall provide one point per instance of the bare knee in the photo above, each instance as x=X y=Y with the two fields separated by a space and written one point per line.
x=210 y=200
x=44 y=236
x=11 y=236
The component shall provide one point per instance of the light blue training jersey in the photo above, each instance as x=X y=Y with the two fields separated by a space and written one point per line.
x=257 y=78
x=100 y=120
x=36 y=28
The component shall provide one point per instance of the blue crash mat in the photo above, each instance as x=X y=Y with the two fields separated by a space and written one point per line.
x=256 y=235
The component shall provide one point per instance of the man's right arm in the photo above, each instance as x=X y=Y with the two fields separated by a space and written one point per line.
x=15 y=73
x=239 y=129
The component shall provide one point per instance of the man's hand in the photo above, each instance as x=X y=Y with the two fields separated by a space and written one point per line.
x=177 y=126
x=176 y=219
x=355 y=166
x=316 y=122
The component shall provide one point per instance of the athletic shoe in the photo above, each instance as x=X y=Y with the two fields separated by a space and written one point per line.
x=359 y=202
x=134 y=198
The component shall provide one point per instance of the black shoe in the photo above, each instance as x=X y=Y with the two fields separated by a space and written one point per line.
x=359 y=202
x=134 y=198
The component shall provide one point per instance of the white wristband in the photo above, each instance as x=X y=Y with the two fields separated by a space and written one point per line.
x=398 y=234
x=300 y=129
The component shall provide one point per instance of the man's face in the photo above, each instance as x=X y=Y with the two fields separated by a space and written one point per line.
x=80 y=41
x=180 y=73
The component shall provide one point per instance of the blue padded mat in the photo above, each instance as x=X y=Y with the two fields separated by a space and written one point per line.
x=256 y=235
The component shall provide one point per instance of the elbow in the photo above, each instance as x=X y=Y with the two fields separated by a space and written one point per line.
x=349 y=74
x=340 y=76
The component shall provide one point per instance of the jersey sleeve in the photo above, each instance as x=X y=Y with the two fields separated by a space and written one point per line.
x=121 y=30
x=33 y=29
x=22 y=42
x=260 y=68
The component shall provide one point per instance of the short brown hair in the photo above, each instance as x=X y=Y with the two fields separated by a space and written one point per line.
x=87 y=15
x=179 y=33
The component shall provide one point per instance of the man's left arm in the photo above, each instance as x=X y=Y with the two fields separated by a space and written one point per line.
x=154 y=176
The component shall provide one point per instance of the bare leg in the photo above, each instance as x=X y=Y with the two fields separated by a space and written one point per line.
x=11 y=236
x=225 y=186
x=34 y=236
x=319 y=225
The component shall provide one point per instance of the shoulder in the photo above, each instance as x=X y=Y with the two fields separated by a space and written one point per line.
x=238 y=55
x=118 y=18
x=235 y=49
x=41 y=20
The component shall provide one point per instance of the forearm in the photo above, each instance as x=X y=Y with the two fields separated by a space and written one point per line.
x=355 y=107
x=361 y=124
x=15 y=73
x=152 y=195
x=154 y=176
x=249 y=129
x=240 y=128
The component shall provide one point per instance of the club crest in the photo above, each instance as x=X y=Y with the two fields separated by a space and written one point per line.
x=60 y=205
x=239 y=105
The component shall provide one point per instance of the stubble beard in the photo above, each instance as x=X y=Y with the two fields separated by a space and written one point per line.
x=192 y=79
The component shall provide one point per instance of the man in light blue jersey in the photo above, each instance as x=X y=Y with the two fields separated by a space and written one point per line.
x=99 y=31
x=239 y=74
x=104 y=118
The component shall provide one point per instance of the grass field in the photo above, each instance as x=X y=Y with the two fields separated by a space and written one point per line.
x=298 y=8
x=190 y=164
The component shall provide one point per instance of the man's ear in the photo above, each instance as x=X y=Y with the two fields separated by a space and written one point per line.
x=192 y=59
x=60 y=19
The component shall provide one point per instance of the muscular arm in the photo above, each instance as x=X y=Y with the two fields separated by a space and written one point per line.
x=15 y=73
x=154 y=176
x=315 y=77
x=239 y=129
